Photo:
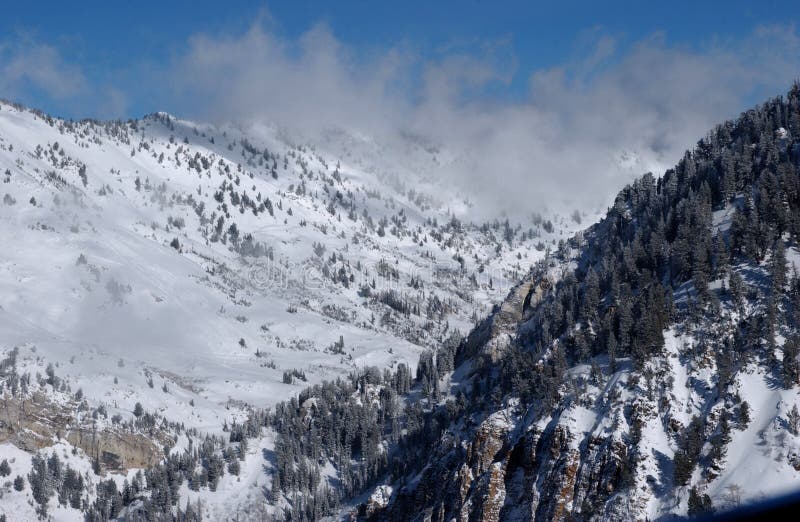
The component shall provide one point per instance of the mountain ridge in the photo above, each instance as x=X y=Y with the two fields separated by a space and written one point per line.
x=647 y=417
x=643 y=368
x=166 y=272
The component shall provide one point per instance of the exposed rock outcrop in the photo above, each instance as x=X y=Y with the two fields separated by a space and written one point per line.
x=35 y=422
x=549 y=475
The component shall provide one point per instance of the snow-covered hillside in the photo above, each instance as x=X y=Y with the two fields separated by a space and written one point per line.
x=649 y=370
x=203 y=271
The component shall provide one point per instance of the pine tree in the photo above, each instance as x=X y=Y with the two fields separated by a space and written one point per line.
x=778 y=267
x=791 y=368
x=744 y=414
x=611 y=346
x=737 y=289
x=794 y=294
x=721 y=439
x=699 y=504
x=793 y=418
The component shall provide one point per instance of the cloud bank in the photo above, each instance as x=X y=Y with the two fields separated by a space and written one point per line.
x=578 y=132
x=581 y=131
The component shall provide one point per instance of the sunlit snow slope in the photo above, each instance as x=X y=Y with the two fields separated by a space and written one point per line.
x=209 y=261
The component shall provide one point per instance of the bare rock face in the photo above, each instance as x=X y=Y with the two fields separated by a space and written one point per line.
x=550 y=474
x=35 y=422
x=32 y=423
x=492 y=337
x=489 y=440
x=488 y=495
x=506 y=467
x=484 y=492
x=115 y=450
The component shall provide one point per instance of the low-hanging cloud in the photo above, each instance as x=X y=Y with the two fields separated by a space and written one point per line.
x=312 y=82
x=579 y=131
x=589 y=127
x=583 y=129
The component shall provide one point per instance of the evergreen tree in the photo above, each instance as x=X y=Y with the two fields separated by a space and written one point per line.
x=793 y=420
x=791 y=368
x=744 y=414
x=699 y=504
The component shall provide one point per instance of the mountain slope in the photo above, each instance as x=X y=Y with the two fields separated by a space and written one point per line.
x=208 y=272
x=646 y=369
x=656 y=371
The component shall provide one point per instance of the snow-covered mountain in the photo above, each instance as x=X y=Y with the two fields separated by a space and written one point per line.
x=647 y=370
x=205 y=273
x=229 y=324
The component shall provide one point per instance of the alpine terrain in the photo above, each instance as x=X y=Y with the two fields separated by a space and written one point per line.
x=231 y=322
x=165 y=284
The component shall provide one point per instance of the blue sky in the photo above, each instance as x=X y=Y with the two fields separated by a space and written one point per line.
x=120 y=46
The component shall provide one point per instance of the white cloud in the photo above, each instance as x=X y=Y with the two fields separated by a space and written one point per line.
x=27 y=64
x=36 y=73
x=311 y=82
x=560 y=146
